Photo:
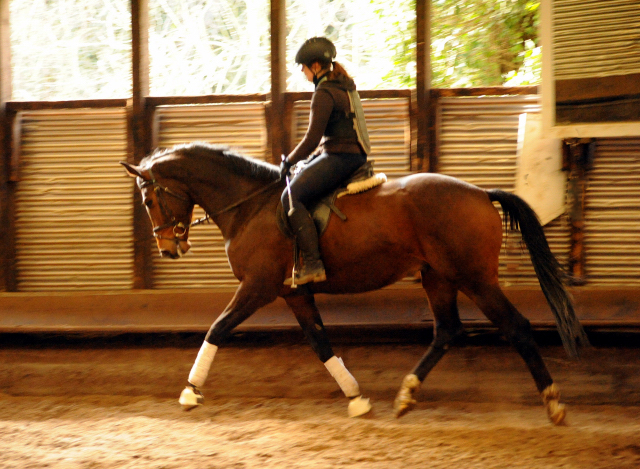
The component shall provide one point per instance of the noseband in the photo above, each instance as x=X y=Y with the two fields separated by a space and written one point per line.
x=160 y=190
x=179 y=229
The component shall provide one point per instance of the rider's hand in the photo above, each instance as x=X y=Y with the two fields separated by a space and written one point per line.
x=285 y=166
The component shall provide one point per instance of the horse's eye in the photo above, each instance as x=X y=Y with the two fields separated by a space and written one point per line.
x=148 y=203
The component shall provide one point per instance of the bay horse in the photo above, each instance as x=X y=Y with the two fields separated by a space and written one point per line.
x=447 y=229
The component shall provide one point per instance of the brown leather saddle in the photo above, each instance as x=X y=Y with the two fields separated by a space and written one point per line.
x=322 y=209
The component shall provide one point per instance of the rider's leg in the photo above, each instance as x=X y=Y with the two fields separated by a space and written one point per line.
x=307 y=237
x=318 y=178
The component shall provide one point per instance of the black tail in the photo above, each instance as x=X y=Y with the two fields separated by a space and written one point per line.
x=550 y=274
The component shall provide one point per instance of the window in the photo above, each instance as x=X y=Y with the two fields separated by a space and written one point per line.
x=70 y=49
x=200 y=47
x=374 y=39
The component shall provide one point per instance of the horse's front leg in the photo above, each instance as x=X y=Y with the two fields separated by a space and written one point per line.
x=305 y=310
x=247 y=299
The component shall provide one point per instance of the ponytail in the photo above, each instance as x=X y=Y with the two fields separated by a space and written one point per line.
x=337 y=71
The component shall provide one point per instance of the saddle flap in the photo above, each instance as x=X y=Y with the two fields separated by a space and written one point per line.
x=321 y=210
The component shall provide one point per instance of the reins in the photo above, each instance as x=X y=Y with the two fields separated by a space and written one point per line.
x=207 y=217
x=159 y=189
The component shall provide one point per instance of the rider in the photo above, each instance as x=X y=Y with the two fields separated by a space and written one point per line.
x=337 y=118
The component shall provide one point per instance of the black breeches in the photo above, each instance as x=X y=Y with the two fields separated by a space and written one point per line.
x=324 y=174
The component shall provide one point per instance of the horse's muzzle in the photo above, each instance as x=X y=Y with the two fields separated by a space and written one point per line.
x=173 y=249
x=171 y=255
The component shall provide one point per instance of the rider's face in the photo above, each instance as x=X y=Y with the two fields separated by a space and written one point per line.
x=307 y=73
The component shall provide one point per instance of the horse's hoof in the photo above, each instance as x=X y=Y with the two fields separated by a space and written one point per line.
x=190 y=398
x=556 y=412
x=551 y=399
x=404 y=401
x=359 y=406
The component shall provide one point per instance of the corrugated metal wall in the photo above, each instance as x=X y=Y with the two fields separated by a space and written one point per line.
x=241 y=126
x=477 y=143
x=74 y=202
x=594 y=38
x=74 y=227
x=612 y=215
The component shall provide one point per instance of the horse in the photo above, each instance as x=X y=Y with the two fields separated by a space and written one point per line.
x=445 y=228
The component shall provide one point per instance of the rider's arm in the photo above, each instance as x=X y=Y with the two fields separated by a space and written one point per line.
x=321 y=106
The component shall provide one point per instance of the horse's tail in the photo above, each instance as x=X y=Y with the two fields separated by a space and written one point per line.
x=550 y=274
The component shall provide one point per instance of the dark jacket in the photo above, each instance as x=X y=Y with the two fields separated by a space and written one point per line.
x=330 y=121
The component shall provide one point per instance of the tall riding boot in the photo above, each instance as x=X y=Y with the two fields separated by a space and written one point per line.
x=307 y=237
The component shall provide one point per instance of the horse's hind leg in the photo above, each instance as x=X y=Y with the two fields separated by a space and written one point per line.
x=517 y=329
x=442 y=296
x=305 y=310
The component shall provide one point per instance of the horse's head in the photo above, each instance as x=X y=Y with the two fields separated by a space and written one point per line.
x=170 y=211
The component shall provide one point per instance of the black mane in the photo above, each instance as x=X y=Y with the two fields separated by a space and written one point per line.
x=239 y=164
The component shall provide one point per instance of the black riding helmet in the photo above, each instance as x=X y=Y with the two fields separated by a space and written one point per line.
x=316 y=49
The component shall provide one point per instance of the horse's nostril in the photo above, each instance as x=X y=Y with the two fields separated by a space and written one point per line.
x=165 y=253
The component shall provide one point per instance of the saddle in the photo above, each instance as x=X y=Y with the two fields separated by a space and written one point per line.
x=362 y=180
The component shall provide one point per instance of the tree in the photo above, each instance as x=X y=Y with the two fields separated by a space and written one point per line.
x=482 y=42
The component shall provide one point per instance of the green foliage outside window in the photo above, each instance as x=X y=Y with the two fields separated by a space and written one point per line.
x=477 y=43
x=484 y=43
x=81 y=49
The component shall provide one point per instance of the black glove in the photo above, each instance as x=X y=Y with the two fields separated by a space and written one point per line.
x=285 y=166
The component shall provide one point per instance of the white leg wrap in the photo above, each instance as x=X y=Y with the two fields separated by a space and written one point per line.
x=201 y=367
x=347 y=383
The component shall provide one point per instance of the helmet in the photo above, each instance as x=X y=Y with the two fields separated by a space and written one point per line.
x=318 y=49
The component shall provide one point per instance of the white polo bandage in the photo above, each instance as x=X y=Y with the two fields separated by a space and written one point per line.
x=200 y=369
x=345 y=380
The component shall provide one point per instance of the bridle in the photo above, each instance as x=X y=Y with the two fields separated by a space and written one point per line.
x=179 y=228
x=160 y=190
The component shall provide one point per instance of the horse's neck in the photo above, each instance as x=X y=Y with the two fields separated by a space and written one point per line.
x=219 y=200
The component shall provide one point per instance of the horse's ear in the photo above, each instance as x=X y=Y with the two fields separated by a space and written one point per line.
x=132 y=170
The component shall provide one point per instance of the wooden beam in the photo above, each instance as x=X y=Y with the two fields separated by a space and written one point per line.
x=436 y=116
x=422 y=103
x=597 y=89
x=278 y=78
x=154 y=101
x=364 y=94
x=483 y=91
x=623 y=111
x=288 y=130
x=139 y=139
x=578 y=156
x=14 y=142
x=155 y=311
x=16 y=106
x=7 y=273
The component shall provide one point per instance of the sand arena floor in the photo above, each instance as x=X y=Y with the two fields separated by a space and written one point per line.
x=274 y=405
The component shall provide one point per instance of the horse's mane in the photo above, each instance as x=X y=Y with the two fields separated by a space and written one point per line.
x=222 y=154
